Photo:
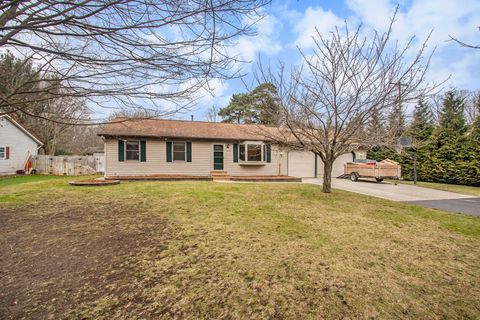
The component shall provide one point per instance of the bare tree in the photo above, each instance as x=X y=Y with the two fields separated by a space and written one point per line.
x=80 y=140
x=55 y=135
x=123 y=52
x=212 y=114
x=464 y=44
x=328 y=101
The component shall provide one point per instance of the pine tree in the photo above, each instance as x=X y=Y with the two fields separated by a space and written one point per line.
x=396 y=122
x=239 y=109
x=451 y=157
x=474 y=135
x=422 y=124
x=260 y=106
x=473 y=169
x=266 y=103
x=376 y=123
x=452 y=117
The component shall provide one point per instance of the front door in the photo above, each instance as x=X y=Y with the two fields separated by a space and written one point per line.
x=218 y=157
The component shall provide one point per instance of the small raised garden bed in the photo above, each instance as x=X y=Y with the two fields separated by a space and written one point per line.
x=94 y=182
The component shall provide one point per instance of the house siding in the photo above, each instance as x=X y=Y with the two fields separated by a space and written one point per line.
x=301 y=164
x=201 y=165
x=20 y=144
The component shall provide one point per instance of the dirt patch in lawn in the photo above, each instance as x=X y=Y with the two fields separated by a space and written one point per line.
x=74 y=258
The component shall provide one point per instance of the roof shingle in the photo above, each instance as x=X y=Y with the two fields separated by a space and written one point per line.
x=160 y=128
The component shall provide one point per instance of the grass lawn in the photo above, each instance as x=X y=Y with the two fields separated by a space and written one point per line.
x=152 y=250
x=468 y=190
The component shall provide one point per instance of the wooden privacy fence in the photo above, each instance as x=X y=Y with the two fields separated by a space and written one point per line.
x=70 y=165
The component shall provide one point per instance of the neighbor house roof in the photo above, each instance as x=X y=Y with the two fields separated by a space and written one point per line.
x=160 y=128
x=15 y=123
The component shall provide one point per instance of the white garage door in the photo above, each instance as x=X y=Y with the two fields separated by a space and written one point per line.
x=301 y=164
x=338 y=164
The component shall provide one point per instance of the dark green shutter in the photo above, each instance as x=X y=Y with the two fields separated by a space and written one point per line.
x=189 y=152
x=121 y=150
x=143 y=151
x=316 y=166
x=169 y=152
x=269 y=153
x=235 y=152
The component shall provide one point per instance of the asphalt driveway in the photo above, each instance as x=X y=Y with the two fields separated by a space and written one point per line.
x=426 y=197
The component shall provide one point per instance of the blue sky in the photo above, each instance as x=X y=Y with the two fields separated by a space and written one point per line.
x=288 y=25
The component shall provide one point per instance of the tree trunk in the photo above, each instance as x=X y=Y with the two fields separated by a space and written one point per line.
x=327 y=176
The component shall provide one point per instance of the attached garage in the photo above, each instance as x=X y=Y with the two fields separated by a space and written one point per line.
x=301 y=164
x=337 y=169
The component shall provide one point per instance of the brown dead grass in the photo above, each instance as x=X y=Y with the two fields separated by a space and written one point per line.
x=153 y=250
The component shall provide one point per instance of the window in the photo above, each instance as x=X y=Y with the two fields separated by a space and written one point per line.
x=254 y=152
x=251 y=152
x=132 y=150
x=3 y=153
x=242 y=152
x=179 y=151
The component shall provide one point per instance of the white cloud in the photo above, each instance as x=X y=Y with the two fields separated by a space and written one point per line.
x=247 y=48
x=324 y=21
x=442 y=17
x=214 y=93
x=415 y=18
x=375 y=13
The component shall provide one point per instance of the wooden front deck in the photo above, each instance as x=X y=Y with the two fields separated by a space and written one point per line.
x=266 y=178
x=160 y=177
x=163 y=177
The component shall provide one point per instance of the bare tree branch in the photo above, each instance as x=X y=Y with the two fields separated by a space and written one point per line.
x=134 y=53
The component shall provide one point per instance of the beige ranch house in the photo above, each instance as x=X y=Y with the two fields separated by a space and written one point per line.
x=155 y=147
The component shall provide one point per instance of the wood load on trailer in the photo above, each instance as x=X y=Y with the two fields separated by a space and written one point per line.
x=385 y=169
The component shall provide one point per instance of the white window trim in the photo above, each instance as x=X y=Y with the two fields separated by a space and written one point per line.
x=139 y=151
x=4 y=153
x=184 y=151
x=246 y=143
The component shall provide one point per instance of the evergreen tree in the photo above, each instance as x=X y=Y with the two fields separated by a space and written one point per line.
x=473 y=169
x=396 y=122
x=474 y=135
x=260 y=106
x=266 y=104
x=450 y=157
x=422 y=124
x=452 y=117
x=239 y=109
x=449 y=152
x=376 y=124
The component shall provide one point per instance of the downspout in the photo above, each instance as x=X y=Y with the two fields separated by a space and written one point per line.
x=316 y=166
x=104 y=156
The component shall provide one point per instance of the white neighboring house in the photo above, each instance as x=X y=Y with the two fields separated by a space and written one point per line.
x=16 y=146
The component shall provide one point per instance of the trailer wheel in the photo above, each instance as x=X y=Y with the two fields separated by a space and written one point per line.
x=379 y=179
x=354 y=176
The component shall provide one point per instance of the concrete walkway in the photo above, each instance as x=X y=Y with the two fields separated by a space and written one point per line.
x=426 y=197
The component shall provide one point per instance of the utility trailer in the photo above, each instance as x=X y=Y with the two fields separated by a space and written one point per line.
x=385 y=169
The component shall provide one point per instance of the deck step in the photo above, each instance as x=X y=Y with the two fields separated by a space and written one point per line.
x=220 y=175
